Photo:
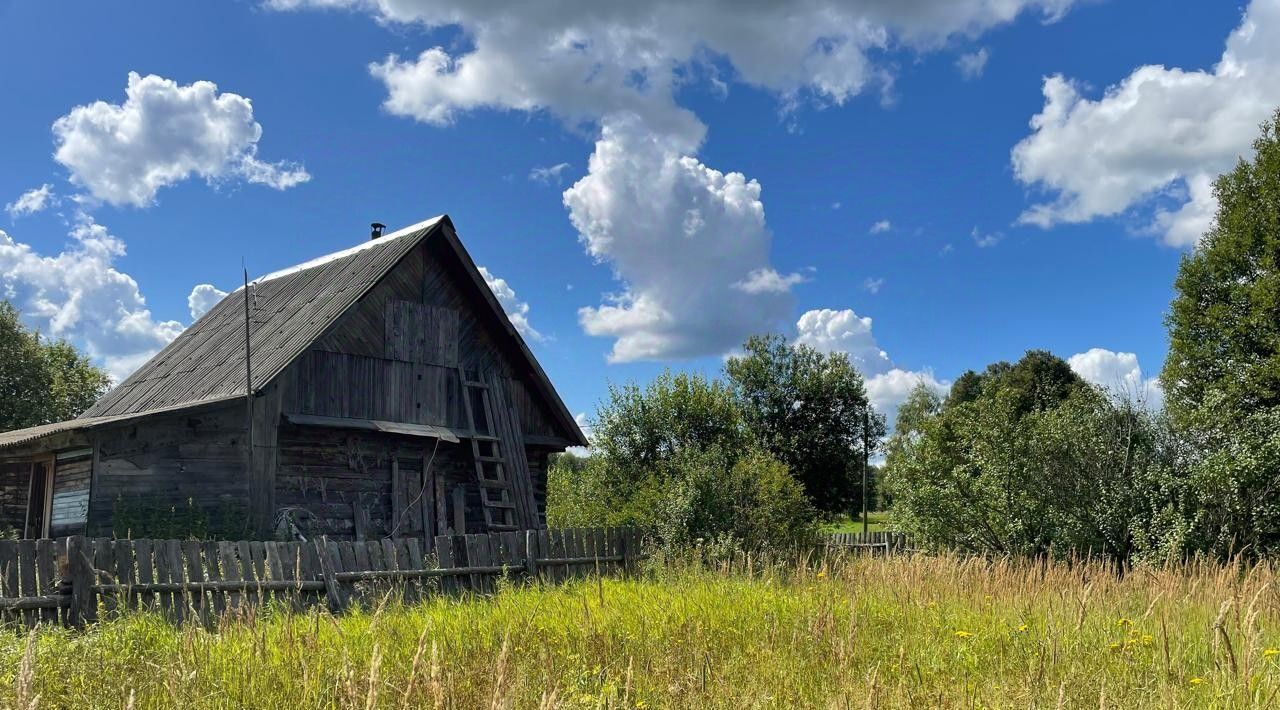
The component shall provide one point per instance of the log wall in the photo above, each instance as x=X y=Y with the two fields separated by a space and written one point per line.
x=344 y=483
x=15 y=482
x=164 y=469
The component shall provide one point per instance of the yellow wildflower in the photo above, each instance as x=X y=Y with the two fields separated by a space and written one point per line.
x=822 y=574
x=1115 y=645
x=1124 y=622
x=1023 y=628
x=963 y=634
x=1268 y=653
x=1147 y=638
x=1197 y=680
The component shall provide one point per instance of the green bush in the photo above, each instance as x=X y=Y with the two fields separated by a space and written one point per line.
x=1075 y=473
x=698 y=495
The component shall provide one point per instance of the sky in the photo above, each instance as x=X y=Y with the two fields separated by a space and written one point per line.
x=929 y=186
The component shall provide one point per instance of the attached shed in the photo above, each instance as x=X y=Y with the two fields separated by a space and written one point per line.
x=384 y=392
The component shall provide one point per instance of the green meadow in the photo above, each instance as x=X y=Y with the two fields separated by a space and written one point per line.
x=928 y=632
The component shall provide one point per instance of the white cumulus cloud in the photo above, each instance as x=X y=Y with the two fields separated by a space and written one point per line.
x=827 y=330
x=881 y=227
x=1118 y=373
x=1156 y=139
x=689 y=244
x=768 y=280
x=202 y=298
x=517 y=311
x=79 y=295
x=31 y=201
x=164 y=133
x=677 y=233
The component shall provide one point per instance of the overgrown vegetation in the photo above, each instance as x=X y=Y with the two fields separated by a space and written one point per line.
x=144 y=516
x=675 y=458
x=751 y=460
x=1026 y=459
x=938 y=632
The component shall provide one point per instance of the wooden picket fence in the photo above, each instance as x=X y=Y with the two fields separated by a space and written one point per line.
x=76 y=581
x=888 y=543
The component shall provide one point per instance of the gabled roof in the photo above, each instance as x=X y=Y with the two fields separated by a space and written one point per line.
x=289 y=310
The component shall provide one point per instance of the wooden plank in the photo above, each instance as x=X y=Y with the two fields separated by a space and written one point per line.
x=50 y=582
x=330 y=562
x=361 y=515
x=10 y=587
x=177 y=575
x=26 y=560
x=84 y=603
x=230 y=572
x=163 y=574
x=258 y=558
x=409 y=556
x=544 y=550
x=459 y=510
x=142 y=556
x=398 y=512
x=196 y=600
x=444 y=560
x=244 y=553
x=124 y=559
x=361 y=551
x=442 y=520
x=213 y=573
x=478 y=556
x=104 y=566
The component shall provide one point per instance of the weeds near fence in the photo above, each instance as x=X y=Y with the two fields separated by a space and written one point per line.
x=848 y=631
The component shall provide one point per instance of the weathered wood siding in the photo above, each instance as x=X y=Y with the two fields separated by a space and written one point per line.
x=194 y=464
x=538 y=463
x=340 y=481
x=361 y=387
x=70 y=511
x=15 y=483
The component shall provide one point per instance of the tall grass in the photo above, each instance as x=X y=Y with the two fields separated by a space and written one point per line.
x=855 y=632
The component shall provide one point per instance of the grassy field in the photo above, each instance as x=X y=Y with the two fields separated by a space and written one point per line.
x=876 y=522
x=928 y=632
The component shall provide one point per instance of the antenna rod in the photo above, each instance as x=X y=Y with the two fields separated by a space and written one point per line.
x=248 y=378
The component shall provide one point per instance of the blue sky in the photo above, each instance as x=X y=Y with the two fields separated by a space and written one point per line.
x=651 y=181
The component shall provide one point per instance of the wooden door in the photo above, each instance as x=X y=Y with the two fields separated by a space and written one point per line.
x=39 y=499
x=412 y=495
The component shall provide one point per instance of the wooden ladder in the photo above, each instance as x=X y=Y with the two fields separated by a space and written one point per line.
x=486 y=451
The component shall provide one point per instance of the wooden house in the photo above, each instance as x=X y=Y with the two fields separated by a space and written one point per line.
x=383 y=392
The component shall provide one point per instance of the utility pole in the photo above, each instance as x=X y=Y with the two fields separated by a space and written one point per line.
x=866 y=424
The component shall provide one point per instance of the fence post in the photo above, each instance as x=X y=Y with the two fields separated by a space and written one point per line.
x=331 y=591
x=84 y=603
x=531 y=553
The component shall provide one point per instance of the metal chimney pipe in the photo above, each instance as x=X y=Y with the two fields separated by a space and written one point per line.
x=377 y=228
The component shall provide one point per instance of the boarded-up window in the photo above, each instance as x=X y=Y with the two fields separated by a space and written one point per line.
x=420 y=333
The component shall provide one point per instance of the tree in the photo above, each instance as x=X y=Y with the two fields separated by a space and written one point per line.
x=811 y=411
x=42 y=382
x=1224 y=322
x=639 y=430
x=1039 y=380
x=1032 y=460
x=1222 y=373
